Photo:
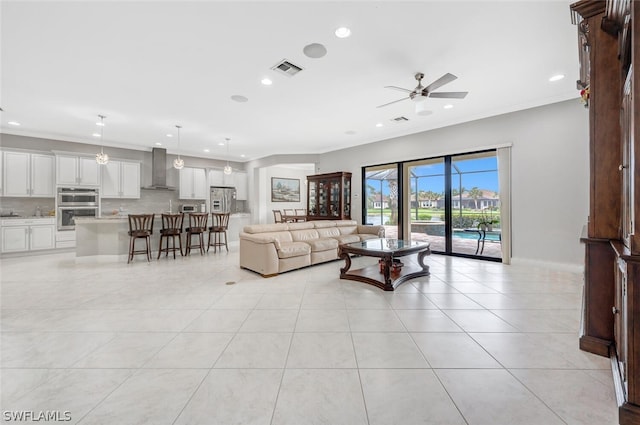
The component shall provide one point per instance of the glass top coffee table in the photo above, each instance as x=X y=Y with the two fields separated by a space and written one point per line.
x=390 y=271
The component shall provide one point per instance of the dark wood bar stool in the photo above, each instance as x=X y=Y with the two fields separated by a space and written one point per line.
x=171 y=229
x=140 y=227
x=197 y=226
x=219 y=225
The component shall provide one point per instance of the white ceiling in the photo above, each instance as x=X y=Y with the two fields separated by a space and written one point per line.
x=151 y=65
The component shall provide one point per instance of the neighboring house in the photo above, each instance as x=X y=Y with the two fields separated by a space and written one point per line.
x=380 y=202
x=489 y=198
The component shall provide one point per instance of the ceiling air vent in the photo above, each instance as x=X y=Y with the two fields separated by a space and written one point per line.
x=399 y=119
x=287 y=68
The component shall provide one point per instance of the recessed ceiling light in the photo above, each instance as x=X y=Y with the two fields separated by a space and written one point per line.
x=557 y=77
x=238 y=98
x=96 y=134
x=379 y=124
x=158 y=144
x=343 y=32
x=221 y=144
x=242 y=155
x=13 y=123
x=314 y=50
x=449 y=106
x=169 y=135
x=266 y=81
x=100 y=124
x=206 y=150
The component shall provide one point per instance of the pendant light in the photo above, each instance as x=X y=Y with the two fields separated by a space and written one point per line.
x=227 y=168
x=178 y=163
x=101 y=157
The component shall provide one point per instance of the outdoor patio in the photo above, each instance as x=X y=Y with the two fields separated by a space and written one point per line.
x=460 y=245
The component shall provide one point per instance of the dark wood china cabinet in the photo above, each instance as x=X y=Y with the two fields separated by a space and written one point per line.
x=609 y=46
x=329 y=196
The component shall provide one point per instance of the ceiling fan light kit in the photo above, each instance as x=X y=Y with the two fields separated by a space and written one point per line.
x=421 y=93
x=421 y=109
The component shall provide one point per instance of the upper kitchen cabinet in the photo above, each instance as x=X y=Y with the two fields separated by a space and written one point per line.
x=120 y=179
x=193 y=183
x=216 y=177
x=28 y=175
x=241 y=186
x=74 y=170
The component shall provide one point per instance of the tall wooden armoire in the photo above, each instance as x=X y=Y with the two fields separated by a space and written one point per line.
x=609 y=46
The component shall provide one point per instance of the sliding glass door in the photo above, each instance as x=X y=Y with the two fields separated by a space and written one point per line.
x=381 y=198
x=451 y=201
x=426 y=203
x=475 y=205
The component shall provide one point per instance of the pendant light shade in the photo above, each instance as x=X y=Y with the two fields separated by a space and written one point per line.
x=178 y=163
x=101 y=157
x=227 y=168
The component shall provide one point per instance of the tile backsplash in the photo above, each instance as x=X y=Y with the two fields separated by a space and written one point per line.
x=26 y=206
x=151 y=201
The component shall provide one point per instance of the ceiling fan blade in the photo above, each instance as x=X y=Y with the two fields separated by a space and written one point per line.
x=449 y=94
x=398 y=88
x=395 y=101
x=446 y=78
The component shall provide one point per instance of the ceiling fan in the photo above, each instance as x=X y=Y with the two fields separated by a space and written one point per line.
x=421 y=92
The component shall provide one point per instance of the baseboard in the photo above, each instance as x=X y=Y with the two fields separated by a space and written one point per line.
x=565 y=267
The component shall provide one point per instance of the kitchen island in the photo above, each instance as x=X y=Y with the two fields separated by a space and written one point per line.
x=106 y=238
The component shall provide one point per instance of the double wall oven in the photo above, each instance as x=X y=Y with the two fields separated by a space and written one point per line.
x=75 y=202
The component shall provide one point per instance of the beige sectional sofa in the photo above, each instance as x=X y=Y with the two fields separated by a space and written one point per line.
x=270 y=249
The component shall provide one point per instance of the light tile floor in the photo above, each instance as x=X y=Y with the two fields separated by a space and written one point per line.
x=169 y=342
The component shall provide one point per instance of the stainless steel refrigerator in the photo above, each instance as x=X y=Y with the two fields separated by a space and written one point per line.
x=223 y=199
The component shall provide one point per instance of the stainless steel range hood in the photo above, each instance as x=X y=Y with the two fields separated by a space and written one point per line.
x=159 y=170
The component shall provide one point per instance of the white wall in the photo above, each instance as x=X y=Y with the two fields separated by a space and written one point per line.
x=266 y=214
x=550 y=173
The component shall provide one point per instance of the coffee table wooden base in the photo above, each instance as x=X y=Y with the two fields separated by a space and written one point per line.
x=388 y=280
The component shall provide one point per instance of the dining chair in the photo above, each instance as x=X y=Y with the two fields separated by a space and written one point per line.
x=277 y=216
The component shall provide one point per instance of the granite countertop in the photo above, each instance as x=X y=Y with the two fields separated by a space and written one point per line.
x=25 y=217
x=124 y=218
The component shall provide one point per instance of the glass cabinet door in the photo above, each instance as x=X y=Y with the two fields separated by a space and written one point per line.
x=346 y=202
x=312 y=199
x=323 y=197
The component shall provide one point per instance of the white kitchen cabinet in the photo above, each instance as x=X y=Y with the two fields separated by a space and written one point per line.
x=193 y=183
x=229 y=179
x=216 y=177
x=120 y=179
x=21 y=235
x=241 y=186
x=28 y=175
x=77 y=171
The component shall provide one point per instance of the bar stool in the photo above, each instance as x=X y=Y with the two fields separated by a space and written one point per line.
x=140 y=227
x=219 y=225
x=197 y=226
x=171 y=228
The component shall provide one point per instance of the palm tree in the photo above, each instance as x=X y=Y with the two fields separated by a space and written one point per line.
x=371 y=196
x=474 y=194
